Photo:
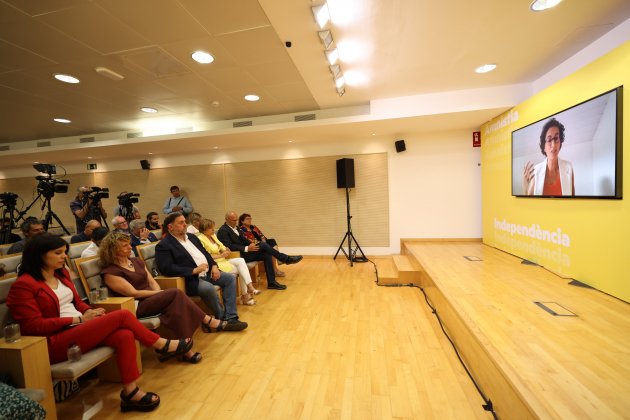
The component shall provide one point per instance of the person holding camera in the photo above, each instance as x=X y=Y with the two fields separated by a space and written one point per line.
x=87 y=205
x=177 y=203
x=126 y=208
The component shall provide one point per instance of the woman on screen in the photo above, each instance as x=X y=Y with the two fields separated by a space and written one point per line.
x=553 y=176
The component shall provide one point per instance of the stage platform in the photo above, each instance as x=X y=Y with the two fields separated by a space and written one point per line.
x=567 y=357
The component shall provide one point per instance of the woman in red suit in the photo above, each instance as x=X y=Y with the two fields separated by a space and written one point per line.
x=44 y=302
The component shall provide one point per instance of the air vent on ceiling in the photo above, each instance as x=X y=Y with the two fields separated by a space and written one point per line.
x=242 y=124
x=134 y=135
x=304 y=117
x=43 y=143
x=4 y=148
x=87 y=140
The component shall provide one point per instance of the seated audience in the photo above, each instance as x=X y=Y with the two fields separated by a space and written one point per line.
x=181 y=254
x=140 y=234
x=177 y=203
x=44 y=302
x=193 y=223
x=253 y=234
x=30 y=228
x=219 y=253
x=97 y=236
x=120 y=224
x=127 y=276
x=86 y=235
x=153 y=221
x=233 y=238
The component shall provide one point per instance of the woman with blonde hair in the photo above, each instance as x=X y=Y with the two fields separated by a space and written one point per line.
x=219 y=253
x=128 y=276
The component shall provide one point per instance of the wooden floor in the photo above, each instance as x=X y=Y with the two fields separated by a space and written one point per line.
x=332 y=346
x=559 y=367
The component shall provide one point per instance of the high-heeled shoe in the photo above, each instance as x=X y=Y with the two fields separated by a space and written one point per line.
x=208 y=329
x=254 y=291
x=183 y=346
x=246 y=299
x=144 y=404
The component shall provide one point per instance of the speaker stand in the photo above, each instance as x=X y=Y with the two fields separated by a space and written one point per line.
x=352 y=252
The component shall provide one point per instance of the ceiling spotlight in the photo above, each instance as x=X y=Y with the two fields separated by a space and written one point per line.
x=202 y=57
x=332 y=56
x=62 y=120
x=335 y=70
x=148 y=110
x=485 y=68
x=321 y=15
x=340 y=81
x=110 y=74
x=540 y=5
x=326 y=38
x=341 y=90
x=66 y=78
x=252 y=98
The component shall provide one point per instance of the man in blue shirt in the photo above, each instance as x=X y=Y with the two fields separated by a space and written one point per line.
x=177 y=203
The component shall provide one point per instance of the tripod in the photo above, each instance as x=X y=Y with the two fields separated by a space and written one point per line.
x=351 y=254
x=49 y=215
x=8 y=215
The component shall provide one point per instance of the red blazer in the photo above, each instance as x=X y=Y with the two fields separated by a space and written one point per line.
x=35 y=306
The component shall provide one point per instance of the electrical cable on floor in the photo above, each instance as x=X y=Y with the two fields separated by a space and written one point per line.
x=488 y=403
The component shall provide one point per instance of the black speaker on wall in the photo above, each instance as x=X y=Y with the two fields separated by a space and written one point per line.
x=345 y=173
x=145 y=164
x=400 y=146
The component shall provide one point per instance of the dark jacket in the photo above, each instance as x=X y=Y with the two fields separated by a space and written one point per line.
x=231 y=240
x=172 y=259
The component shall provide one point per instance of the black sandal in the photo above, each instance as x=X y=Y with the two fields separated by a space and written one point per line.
x=182 y=347
x=194 y=359
x=208 y=329
x=144 y=404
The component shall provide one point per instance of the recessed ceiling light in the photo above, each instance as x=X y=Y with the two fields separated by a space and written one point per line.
x=373 y=134
x=321 y=15
x=148 y=110
x=252 y=98
x=62 y=120
x=89 y=157
x=202 y=57
x=540 y=5
x=332 y=56
x=485 y=68
x=215 y=147
x=150 y=153
x=66 y=78
x=290 y=141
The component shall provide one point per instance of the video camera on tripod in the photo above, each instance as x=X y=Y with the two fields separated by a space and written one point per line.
x=47 y=185
x=95 y=194
x=8 y=199
x=127 y=199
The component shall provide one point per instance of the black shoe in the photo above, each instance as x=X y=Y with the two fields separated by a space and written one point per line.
x=293 y=259
x=235 y=325
x=276 y=286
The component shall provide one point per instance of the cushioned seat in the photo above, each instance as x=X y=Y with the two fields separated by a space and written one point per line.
x=90 y=273
x=10 y=262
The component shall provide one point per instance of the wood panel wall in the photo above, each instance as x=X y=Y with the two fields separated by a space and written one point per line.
x=294 y=200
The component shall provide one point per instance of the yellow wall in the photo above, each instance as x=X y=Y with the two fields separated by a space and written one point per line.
x=597 y=231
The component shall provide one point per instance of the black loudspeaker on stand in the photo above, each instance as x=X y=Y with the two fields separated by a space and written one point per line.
x=345 y=179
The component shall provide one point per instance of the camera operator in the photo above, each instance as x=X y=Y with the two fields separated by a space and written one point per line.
x=126 y=208
x=87 y=206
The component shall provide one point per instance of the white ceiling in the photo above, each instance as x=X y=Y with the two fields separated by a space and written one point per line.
x=388 y=48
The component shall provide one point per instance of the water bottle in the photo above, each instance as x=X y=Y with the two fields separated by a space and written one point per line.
x=74 y=352
x=93 y=296
x=103 y=293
